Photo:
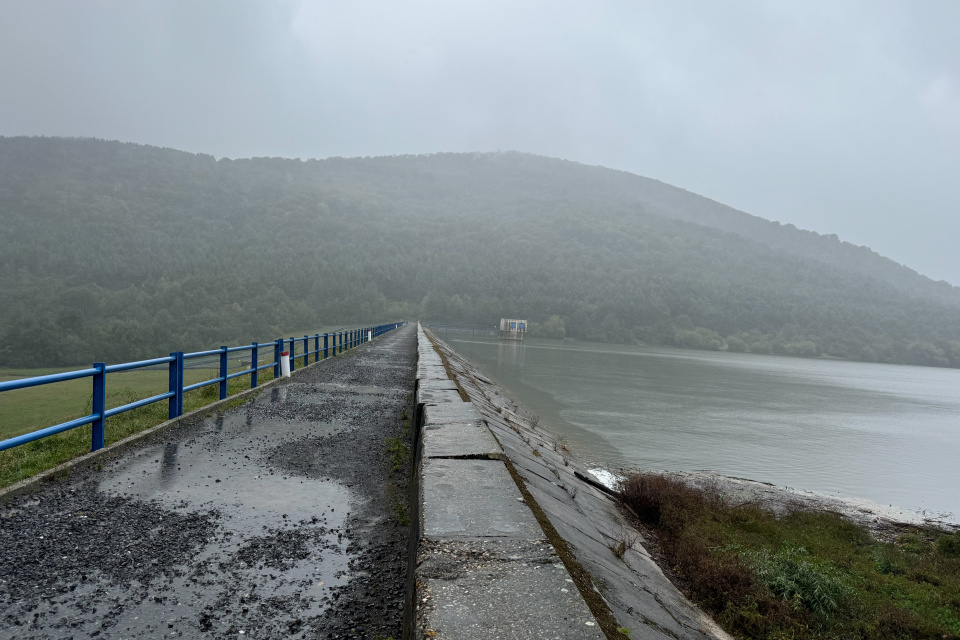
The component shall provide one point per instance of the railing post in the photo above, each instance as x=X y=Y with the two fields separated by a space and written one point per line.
x=99 y=405
x=175 y=403
x=316 y=348
x=254 y=363
x=326 y=346
x=223 y=373
x=277 y=348
x=340 y=341
x=306 y=350
x=293 y=354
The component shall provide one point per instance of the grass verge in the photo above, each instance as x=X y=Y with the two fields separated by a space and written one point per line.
x=26 y=410
x=803 y=575
x=32 y=458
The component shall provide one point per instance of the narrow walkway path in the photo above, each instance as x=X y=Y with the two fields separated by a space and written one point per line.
x=280 y=518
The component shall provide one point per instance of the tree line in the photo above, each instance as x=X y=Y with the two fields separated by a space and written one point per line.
x=112 y=251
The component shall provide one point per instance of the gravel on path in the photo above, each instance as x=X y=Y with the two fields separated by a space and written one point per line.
x=284 y=517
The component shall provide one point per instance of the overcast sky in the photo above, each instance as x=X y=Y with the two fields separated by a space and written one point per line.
x=837 y=116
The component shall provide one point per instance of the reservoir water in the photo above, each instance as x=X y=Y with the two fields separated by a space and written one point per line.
x=888 y=433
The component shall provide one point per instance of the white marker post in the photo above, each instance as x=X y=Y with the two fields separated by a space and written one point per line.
x=369 y=336
x=285 y=364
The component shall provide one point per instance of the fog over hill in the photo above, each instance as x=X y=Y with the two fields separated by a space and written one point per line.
x=111 y=251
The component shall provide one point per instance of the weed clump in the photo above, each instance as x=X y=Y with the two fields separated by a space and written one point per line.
x=403 y=518
x=794 y=576
x=949 y=546
x=398 y=452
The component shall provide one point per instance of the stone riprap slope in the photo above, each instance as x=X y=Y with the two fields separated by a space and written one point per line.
x=273 y=519
x=594 y=537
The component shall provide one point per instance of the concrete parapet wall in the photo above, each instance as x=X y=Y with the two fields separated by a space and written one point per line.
x=518 y=539
x=484 y=568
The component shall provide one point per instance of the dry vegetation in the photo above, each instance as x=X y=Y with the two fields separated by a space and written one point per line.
x=802 y=575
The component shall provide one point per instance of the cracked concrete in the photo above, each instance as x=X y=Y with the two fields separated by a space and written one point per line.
x=632 y=586
x=484 y=566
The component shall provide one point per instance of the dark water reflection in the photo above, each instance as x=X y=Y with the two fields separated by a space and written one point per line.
x=884 y=432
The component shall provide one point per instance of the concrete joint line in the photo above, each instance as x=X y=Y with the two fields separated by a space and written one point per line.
x=470 y=456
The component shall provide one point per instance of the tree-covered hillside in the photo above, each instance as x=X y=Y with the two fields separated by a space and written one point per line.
x=111 y=251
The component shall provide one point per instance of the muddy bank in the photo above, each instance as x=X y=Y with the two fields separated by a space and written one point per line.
x=274 y=519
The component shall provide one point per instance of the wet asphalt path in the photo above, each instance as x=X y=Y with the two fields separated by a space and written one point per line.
x=279 y=518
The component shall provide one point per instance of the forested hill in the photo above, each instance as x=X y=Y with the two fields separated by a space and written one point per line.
x=112 y=251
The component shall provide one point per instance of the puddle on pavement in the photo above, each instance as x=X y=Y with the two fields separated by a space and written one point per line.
x=221 y=468
x=293 y=520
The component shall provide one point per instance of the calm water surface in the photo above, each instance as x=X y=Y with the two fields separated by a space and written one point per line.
x=888 y=433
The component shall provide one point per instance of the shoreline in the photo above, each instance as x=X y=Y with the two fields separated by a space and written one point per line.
x=874 y=515
x=883 y=521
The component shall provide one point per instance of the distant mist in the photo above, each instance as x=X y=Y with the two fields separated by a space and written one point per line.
x=111 y=251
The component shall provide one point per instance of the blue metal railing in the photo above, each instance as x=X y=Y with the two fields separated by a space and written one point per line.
x=333 y=344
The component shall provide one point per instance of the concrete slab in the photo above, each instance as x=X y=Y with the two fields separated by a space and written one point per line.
x=450 y=412
x=634 y=587
x=438 y=396
x=507 y=437
x=436 y=385
x=565 y=512
x=459 y=439
x=473 y=498
x=546 y=484
x=500 y=589
x=431 y=370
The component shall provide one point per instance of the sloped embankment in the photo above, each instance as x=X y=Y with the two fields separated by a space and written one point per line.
x=580 y=522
